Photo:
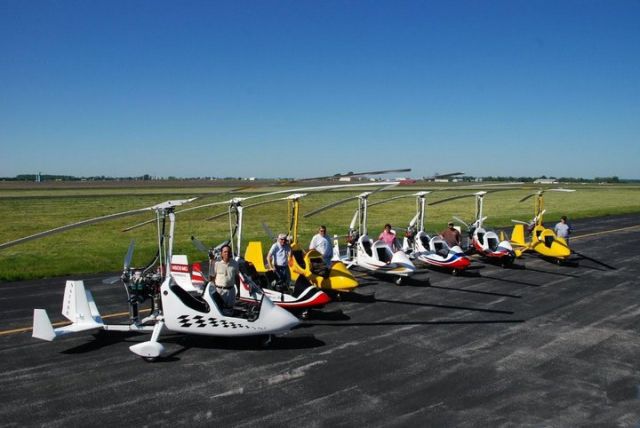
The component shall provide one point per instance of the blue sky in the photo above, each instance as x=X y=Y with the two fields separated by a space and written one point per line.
x=304 y=88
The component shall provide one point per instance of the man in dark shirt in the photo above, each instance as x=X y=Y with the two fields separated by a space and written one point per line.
x=451 y=235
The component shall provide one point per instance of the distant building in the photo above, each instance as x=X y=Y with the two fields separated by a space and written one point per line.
x=344 y=179
x=545 y=181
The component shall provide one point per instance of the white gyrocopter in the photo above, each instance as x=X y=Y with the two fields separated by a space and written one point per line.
x=485 y=243
x=304 y=296
x=173 y=308
x=375 y=257
x=430 y=250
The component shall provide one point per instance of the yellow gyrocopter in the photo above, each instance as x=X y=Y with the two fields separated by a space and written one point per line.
x=310 y=263
x=542 y=240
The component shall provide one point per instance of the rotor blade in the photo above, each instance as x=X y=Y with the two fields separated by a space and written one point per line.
x=521 y=222
x=461 y=221
x=135 y=226
x=584 y=256
x=450 y=174
x=268 y=231
x=331 y=205
x=560 y=190
x=199 y=245
x=527 y=197
x=129 y=256
x=384 y=201
x=356 y=174
x=73 y=226
x=452 y=198
x=299 y=189
x=593 y=260
x=213 y=217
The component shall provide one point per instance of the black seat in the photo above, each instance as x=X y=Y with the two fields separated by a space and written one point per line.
x=383 y=255
x=367 y=247
x=481 y=238
x=196 y=303
x=299 y=256
x=493 y=244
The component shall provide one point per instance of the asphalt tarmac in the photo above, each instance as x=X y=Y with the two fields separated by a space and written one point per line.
x=539 y=344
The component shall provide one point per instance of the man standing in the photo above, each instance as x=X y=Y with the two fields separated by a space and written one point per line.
x=562 y=229
x=225 y=278
x=451 y=235
x=278 y=260
x=322 y=244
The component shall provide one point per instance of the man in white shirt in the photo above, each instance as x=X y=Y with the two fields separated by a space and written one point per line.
x=322 y=244
x=278 y=260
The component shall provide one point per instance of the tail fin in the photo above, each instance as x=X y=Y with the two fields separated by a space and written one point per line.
x=78 y=307
x=336 y=249
x=517 y=236
x=197 y=278
x=253 y=254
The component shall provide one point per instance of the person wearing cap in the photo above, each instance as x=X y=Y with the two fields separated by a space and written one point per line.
x=322 y=244
x=224 y=278
x=451 y=235
x=278 y=260
x=563 y=229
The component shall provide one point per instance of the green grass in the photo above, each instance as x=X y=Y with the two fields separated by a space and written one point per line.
x=101 y=247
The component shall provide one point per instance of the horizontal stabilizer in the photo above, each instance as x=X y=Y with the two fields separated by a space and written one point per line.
x=42 y=328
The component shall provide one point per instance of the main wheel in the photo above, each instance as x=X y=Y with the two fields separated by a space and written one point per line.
x=399 y=281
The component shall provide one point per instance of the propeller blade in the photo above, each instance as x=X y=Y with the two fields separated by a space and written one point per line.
x=112 y=280
x=521 y=222
x=129 y=256
x=74 y=225
x=199 y=245
x=268 y=231
x=458 y=219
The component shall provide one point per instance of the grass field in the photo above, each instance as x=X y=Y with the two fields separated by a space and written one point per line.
x=101 y=247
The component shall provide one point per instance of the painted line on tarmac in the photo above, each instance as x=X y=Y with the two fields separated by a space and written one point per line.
x=603 y=232
x=63 y=323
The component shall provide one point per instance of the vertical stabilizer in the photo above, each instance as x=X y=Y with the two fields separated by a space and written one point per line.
x=75 y=306
x=517 y=236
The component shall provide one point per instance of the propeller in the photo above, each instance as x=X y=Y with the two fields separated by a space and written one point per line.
x=199 y=245
x=128 y=256
x=521 y=222
x=459 y=220
x=268 y=231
